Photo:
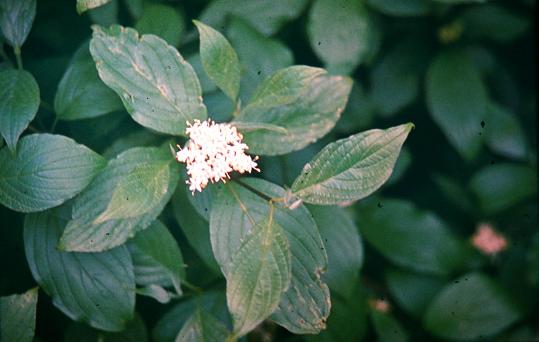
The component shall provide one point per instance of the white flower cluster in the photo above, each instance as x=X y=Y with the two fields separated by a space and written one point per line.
x=212 y=152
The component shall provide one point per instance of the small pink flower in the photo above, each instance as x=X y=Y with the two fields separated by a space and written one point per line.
x=380 y=305
x=487 y=240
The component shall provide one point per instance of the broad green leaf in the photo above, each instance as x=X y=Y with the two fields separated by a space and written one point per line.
x=352 y=168
x=483 y=22
x=457 y=100
x=395 y=80
x=163 y=21
x=81 y=94
x=157 y=86
x=503 y=133
x=413 y=291
x=16 y=18
x=387 y=328
x=305 y=101
x=137 y=138
x=305 y=307
x=266 y=16
x=170 y=324
x=18 y=316
x=202 y=326
x=138 y=192
x=156 y=257
x=135 y=8
x=501 y=186
x=343 y=246
x=259 y=55
x=47 y=170
x=96 y=288
x=455 y=193
x=135 y=331
x=348 y=319
x=19 y=102
x=399 y=8
x=84 y=5
x=219 y=60
x=329 y=28
x=207 y=85
x=106 y=14
x=410 y=237
x=257 y=275
x=84 y=233
x=194 y=226
x=474 y=306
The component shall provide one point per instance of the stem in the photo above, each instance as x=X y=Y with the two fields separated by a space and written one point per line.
x=46 y=106
x=191 y=287
x=54 y=124
x=33 y=129
x=17 y=50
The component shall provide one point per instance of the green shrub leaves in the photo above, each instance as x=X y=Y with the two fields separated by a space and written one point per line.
x=157 y=86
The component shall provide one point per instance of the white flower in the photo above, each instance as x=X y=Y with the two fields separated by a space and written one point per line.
x=213 y=151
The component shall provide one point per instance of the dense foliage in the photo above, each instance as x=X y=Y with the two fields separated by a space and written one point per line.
x=353 y=224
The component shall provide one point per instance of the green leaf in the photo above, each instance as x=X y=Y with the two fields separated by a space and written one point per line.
x=156 y=257
x=457 y=100
x=16 y=18
x=503 y=132
x=501 y=186
x=84 y=5
x=47 y=170
x=135 y=331
x=329 y=26
x=343 y=246
x=168 y=327
x=138 y=192
x=266 y=16
x=413 y=291
x=202 y=326
x=137 y=138
x=157 y=292
x=472 y=307
x=194 y=226
x=304 y=308
x=219 y=60
x=258 y=274
x=19 y=102
x=157 y=86
x=163 y=21
x=87 y=232
x=81 y=94
x=259 y=55
x=96 y=288
x=106 y=14
x=305 y=101
x=410 y=237
x=398 y=8
x=387 y=328
x=18 y=316
x=352 y=168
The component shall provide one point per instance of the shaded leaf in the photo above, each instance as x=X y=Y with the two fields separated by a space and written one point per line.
x=47 y=170
x=503 y=133
x=163 y=21
x=305 y=101
x=387 y=328
x=202 y=326
x=19 y=102
x=352 y=168
x=83 y=233
x=159 y=89
x=219 y=60
x=18 y=316
x=483 y=22
x=398 y=8
x=16 y=18
x=96 y=288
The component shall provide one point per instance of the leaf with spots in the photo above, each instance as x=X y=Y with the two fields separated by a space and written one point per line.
x=95 y=288
x=101 y=219
x=305 y=101
x=47 y=170
x=18 y=316
x=352 y=168
x=159 y=89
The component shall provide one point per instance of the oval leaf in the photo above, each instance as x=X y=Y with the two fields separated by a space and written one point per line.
x=258 y=274
x=47 y=170
x=352 y=168
x=157 y=86
x=19 y=102
x=89 y=231
x=219 y=60
x=163 y=21
x=472 y=307
x=96 y=288
x=305 y=101
x=16 y=18
x=202 y=326
x=18 y=317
